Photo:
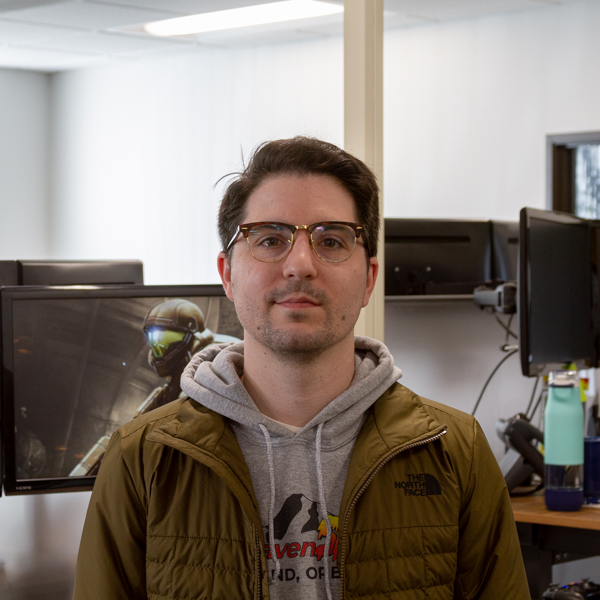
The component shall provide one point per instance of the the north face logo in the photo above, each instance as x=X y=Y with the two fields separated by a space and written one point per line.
x=421 y=484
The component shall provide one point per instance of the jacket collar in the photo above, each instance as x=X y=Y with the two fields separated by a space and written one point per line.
x=397 y=420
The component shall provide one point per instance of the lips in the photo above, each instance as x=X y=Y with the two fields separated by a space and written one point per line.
x=298 y=302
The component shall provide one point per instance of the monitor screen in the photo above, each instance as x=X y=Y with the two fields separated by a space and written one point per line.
x=79 y=363
x=556 y=305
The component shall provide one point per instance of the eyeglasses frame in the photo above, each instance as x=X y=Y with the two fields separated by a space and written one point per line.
x=245 y=228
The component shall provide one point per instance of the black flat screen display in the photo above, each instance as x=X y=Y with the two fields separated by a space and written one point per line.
x=556 y=297
x=76 y=367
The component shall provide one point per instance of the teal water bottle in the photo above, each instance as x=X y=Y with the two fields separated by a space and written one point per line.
x=563 y=443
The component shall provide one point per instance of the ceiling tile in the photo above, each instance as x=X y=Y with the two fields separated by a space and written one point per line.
x=442 y=10
x=100 y=43
x=18 y=4
x=86 y=14
x=17 y=32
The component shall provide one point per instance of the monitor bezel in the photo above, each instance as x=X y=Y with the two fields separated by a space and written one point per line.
x=10 y=483
x=533 y=369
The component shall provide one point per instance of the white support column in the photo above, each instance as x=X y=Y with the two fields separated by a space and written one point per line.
x=363 y=120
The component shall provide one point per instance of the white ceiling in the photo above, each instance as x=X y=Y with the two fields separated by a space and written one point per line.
x=55 y=35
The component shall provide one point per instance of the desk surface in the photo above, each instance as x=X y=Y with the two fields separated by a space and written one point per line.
x=532 y=509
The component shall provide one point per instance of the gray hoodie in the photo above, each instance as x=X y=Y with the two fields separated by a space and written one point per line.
x=298 y=478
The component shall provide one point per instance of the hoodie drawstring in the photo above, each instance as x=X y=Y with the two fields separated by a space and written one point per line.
x=265 y=432
x=324 y=511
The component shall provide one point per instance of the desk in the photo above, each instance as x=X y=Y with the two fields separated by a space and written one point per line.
x=548 y=538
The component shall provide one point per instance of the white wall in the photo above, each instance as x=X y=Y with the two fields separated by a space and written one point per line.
x=468 y=105
x=138 y=147
x=24 y=110
x=448 y=349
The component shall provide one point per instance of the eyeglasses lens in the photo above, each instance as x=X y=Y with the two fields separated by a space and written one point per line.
x=333 y=243
x=271 y=242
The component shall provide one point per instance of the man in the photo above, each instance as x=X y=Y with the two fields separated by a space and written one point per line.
x=298 y=468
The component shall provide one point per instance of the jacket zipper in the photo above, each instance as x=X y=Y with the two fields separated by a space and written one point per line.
x=258 y=567
x=360 y=493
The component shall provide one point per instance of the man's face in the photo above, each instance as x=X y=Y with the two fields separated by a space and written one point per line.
x=300 y=305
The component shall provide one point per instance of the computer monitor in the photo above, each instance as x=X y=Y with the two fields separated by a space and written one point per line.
x=557 y=290
x=436 y=256
x=80 y=272
x=71 y=272
x=76 y=366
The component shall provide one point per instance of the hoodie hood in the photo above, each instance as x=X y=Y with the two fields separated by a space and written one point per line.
x=212 y=378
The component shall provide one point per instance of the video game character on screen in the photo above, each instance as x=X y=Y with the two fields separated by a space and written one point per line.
x=175 y=330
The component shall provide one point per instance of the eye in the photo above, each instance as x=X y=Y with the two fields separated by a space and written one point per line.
x=270 y=241
x=333 y=240
x=331 y=243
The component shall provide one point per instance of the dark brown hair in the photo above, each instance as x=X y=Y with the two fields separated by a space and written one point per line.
x=302 y=156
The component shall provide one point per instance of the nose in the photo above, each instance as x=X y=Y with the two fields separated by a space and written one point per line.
x=301 y=261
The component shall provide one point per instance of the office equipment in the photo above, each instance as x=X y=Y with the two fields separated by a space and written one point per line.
x=582 y=590
x=558 y=292
x=522 y=459
x=75 y=364
x=502 y=298
x=71 y=272
x=93 y=272
x=9 y=272
x=68 y=272
x=431 y=256
x=448 y=257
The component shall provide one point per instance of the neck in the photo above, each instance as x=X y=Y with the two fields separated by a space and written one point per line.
x=295 y=391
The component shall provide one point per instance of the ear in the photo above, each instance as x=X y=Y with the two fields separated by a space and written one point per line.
x=373 y=270
x=225 y=273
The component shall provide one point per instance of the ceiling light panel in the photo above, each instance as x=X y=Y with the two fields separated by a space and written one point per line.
x=191 y=7
x=249 y=16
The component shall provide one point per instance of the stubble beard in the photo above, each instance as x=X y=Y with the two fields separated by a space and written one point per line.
x=303 y=346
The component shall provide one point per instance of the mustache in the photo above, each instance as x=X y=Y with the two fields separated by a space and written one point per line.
x=298 y=287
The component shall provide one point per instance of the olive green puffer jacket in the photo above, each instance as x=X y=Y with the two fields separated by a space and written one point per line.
x=425 y=513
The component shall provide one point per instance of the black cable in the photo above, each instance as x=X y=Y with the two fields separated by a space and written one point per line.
x=490 y=378
x=506 y=327
x=537 y=380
